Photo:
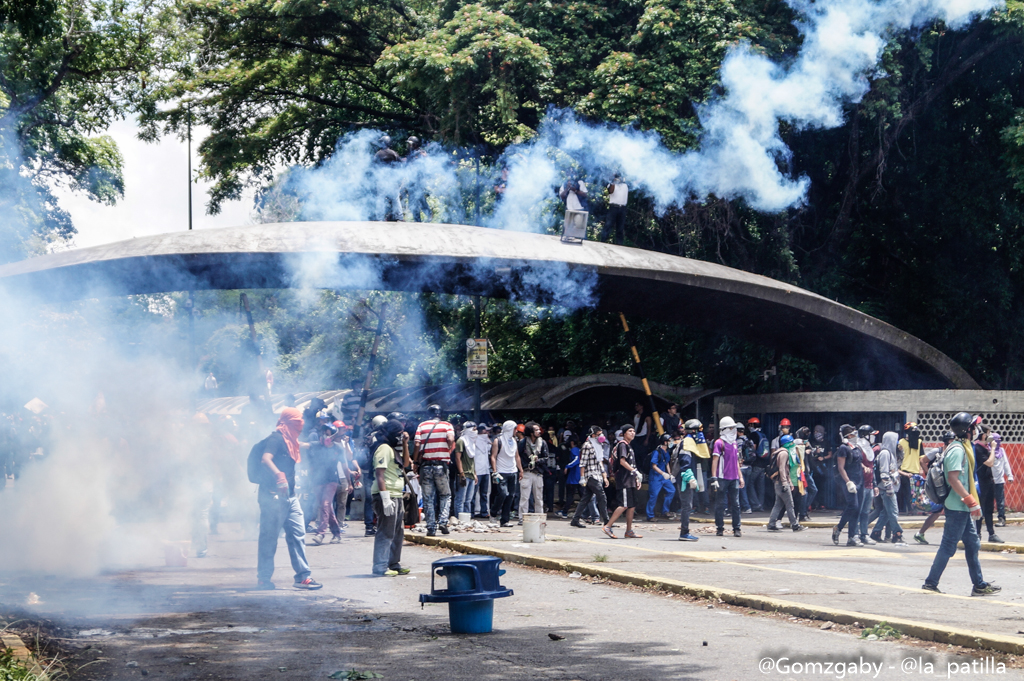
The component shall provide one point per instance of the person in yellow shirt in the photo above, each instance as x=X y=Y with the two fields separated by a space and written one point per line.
x=911 y=448
x=695 y=443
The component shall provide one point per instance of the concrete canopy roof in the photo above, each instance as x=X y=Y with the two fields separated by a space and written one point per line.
x=592 y=393
x=462 y=259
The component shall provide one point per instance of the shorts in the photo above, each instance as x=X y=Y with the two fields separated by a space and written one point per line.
x=626 y=497
x=935 y=508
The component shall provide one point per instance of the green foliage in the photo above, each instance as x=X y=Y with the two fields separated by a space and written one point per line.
x=11 y=669
x=477 y=73
x=883 y=631
x=68 y=69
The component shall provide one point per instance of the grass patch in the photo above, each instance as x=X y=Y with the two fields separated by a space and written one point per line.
x=600 y=557
x=882 y=631
x=13 y=669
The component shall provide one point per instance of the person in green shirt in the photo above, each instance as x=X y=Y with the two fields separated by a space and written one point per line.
x=962 y=508
x=388 y=485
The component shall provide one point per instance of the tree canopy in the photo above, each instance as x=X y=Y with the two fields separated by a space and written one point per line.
x=913 y=214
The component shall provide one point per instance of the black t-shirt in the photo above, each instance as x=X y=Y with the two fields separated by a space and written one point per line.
x=282 y=459
x=981 y=455
x=671 y=423
x=623 y=477
x=853 y=457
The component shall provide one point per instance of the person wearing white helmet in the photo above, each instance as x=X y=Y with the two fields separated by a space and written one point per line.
x=725 y=476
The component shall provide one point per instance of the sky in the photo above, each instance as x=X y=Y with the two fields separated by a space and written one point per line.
x=155 y=195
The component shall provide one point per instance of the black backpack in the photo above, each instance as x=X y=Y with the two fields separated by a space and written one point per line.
x=935 y=484
x=257 y=471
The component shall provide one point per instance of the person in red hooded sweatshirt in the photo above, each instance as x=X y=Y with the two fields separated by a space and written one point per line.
x=279 y=507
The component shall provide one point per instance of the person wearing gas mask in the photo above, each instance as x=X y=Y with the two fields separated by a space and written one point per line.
x=725 y=476
x=849 y=464
x=660 y=477
x=986 y=483
x=962 y=509
x=687 y=488
x=695 y=443
x=387 y=489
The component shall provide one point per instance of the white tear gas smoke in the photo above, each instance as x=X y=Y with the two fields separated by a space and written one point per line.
x=114 y=452
x=741 y=154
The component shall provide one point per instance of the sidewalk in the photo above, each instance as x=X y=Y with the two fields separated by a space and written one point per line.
x=798 y=568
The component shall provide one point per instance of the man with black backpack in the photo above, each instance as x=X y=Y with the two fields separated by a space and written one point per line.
x=272 y=465
x=954 y=467
x=627 y=481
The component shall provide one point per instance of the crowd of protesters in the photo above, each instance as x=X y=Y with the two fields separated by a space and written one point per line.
x=314 y=471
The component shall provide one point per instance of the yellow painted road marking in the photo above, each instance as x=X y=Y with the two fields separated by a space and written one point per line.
x=704 y=557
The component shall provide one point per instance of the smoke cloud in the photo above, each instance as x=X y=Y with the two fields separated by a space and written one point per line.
x=740 y=155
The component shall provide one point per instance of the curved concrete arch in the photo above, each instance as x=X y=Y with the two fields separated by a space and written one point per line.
x=497 y=263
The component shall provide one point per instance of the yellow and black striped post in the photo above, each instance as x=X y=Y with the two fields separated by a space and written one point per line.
x=643 y=377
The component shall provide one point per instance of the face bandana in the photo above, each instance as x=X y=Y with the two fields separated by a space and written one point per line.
x=729 y=435
x=290 y=427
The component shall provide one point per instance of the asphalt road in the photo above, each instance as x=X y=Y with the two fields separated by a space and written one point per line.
x=205 y=622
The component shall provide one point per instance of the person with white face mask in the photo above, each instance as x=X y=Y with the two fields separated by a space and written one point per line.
x=506 y=474
x=725 y=476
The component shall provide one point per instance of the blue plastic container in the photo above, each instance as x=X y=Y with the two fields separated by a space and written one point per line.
x=472 y=587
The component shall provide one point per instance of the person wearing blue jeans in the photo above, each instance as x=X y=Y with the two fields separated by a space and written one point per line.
x=483 y=484
x=279 y=511
x=851 y=475
x=962 y=509
x=434 y=483
x=888 y=481
x=279 y=506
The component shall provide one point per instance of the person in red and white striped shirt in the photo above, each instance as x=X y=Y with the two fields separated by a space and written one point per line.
x=432 y=451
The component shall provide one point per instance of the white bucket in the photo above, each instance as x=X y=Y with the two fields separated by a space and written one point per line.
x=465 y=518
x=534 y=525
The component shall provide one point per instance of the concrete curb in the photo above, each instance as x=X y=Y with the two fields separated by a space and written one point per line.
x=21 y=652
x=922 y=630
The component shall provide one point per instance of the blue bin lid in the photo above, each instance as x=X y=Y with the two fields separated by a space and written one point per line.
x=488 y=588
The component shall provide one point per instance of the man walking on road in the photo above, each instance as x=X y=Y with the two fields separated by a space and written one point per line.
x=787 y=472
x=627 y=481
x=279 y=507
x=687 y=487
x=435 y=440
x=962 y=509
x=593 y=476
x=725 y=476
x=849 y=465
